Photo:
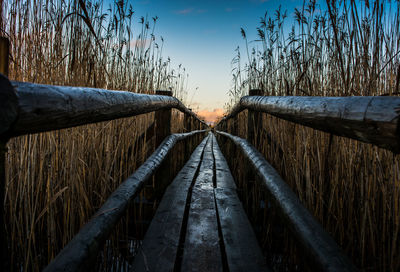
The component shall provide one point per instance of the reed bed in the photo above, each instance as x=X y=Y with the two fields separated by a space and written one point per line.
x=57 y=180
x=349 y=48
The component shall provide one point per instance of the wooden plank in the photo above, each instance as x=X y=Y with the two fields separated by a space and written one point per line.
x=201 y=250
x=160 y=244
x=224 y=177
x=241 y=247
x=242 y=250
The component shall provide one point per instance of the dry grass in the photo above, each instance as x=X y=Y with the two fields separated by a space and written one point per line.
x=56 y=180
x=353 y=188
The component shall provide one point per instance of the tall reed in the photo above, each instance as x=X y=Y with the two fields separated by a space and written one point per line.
x=348 y=48
x=57 y=180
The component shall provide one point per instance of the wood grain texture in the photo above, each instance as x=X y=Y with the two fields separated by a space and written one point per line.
x=48 y=107
x=370 y=119
x=160 y=244
x=201 y=250
x=242 y=250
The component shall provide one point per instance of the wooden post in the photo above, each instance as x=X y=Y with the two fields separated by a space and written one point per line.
x=4 y=53
x=233 y=125
x=197 y=128
x=223 y=126
x=254 y=120
x=187 y=125
x=162 y=122
x=254 y=129
x=8 y=114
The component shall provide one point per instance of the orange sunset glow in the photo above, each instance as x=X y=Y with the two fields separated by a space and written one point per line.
x=211 y=116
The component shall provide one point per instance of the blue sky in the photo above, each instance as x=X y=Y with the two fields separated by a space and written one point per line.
x=203 y=36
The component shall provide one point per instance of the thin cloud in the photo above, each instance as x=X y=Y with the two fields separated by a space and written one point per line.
x=185 y=11
x=190 y=11
x=229 y=9
x=211 y=116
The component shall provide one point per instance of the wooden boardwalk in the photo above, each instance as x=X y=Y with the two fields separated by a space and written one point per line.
x=200 y=224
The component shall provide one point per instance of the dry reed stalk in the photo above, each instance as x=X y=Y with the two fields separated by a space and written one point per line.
x=56 y=180
x=352 y=48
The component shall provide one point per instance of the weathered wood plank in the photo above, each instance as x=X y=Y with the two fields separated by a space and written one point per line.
x=47 y=107
x=160 y=244
x=81 y=251
x=370 y=119
x=223 y=174
x=241 y=246
x=201 y=250
x=242 y=250
x=316 y=242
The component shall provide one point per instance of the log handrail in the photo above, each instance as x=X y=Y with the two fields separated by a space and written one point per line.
x=370 y=119
x=314 y=239
x=47 y=107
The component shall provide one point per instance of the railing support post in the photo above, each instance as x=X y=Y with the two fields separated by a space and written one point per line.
x=4 y=53
x=8 y=114
x=254 y=128
x=162 y=120
x=198 y=127
x=254 y=120
x=187 y=125
x=235 y=123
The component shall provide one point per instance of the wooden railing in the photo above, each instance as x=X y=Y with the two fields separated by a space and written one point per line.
x=27 y=108
x=318 y=244
x=370 y=119
x=373 y=120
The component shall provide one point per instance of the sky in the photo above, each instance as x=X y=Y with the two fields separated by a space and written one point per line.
x=203 y=36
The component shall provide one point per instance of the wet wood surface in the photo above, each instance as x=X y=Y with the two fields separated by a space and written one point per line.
x=236 y=229
x=200 y=224
x=161 y=242
x=202 y=251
